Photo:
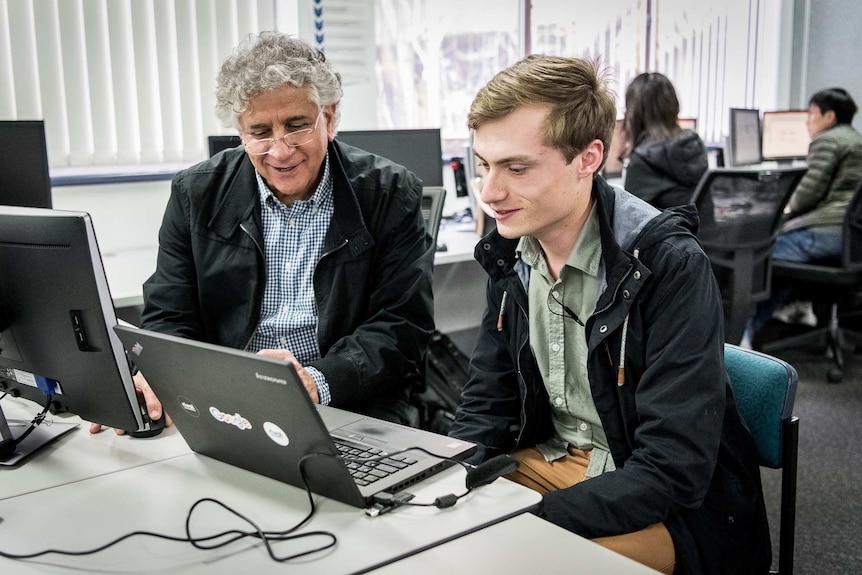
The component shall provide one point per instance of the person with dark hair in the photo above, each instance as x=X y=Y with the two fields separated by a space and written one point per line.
x=599 y=362
x=814 y=217
x=665 y=161
x=296 y=246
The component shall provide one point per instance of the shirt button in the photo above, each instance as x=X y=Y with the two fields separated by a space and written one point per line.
x=584 y=426
x=558 y=401
x=283 y=340
x=290 y=222
x=285 y=308
x=556 y=347
x=555 y=293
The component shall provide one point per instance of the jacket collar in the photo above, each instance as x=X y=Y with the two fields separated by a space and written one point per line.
x=240 y=207
x=626 y=223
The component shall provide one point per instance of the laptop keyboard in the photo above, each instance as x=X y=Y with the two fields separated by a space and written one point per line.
x=367 y=472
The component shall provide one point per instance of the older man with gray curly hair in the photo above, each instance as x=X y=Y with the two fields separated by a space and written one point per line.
x=296 y=246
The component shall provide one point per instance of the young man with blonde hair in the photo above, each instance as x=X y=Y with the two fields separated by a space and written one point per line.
x=599 y=365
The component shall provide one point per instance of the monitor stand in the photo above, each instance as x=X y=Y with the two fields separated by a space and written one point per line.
x=42 y=435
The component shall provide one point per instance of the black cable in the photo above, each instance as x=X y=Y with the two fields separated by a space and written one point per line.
x=7 y=446
x=266 y=537
x=441 y=502
x=229 y=536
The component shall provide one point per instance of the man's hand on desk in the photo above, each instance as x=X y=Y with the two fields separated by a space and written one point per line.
x=147 y=397
x=304 y=376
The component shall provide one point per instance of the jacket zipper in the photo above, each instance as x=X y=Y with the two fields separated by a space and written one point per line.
x=320 y=259
x=260 y=250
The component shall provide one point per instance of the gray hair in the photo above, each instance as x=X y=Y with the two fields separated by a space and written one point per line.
x=272 y=60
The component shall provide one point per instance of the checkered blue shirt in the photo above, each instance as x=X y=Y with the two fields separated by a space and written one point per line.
x=293 y=241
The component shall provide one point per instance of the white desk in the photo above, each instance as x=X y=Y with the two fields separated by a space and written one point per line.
x=518 y=546
x=157 y=497
x=80 y=455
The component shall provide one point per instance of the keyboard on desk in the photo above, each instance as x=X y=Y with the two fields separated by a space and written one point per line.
x=367 y=472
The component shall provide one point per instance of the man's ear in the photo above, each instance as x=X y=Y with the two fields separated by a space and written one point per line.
x=829 y=116
x=591 y=157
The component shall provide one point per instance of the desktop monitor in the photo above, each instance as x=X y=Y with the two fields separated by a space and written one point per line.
x=785 y=135
x=218 y=143
x=24 y=178
x=57 y=318
x=744 y=137
x=420 y=151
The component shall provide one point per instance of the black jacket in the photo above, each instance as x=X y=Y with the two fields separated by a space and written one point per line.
x=372 y=285
x=683 y=455
x=666 y=173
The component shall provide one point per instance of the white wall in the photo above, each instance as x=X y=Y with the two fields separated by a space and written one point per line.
x=126 y=216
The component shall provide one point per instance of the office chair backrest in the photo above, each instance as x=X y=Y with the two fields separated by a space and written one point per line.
x=852 y=255
x=222 y=142
x=765 y=390
x=432 y=209
x=741 y=207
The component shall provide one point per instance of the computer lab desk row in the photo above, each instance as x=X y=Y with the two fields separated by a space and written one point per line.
x=83 y=490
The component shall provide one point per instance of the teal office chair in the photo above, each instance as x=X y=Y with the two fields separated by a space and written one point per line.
x=765 y=388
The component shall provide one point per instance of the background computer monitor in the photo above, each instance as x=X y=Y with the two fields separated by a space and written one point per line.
x=57 y=318
x=785 y=135
x=687 y=123
x=420 y=151
x=744 y=137
x=24 y=178
x=218 y=143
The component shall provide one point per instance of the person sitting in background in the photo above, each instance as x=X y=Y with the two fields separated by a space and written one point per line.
x=599 y=362
x=296 y=246
x=665 y=162
x=814 y=217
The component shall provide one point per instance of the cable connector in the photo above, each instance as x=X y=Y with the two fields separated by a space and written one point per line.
x=386 y=502
x=445 y=501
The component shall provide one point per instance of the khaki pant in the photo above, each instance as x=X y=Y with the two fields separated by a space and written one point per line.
x=651 y=546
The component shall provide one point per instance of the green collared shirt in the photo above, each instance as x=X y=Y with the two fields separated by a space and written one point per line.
x=559 y=343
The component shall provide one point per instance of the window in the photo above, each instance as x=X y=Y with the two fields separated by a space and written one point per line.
x=432 y=56
x=132 y=81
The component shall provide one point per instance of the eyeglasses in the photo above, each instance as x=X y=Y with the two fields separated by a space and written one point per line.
x=567 y=309
x=264 y=146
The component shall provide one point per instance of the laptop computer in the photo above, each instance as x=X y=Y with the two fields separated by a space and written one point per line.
x=253 y=412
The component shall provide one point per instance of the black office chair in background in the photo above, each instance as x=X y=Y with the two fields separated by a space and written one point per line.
x=740 y=210
x=432 y=209
x=222 y=142
x=830 y=287
x=764 y=388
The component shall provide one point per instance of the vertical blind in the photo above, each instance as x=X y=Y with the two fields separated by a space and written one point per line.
x=719 y=55
x=121 y=81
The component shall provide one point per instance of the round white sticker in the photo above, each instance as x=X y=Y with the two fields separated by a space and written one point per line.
x=276 y=433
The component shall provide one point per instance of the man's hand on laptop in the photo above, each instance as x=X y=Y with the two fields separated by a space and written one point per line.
x=147 y=397
x=306 y=378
